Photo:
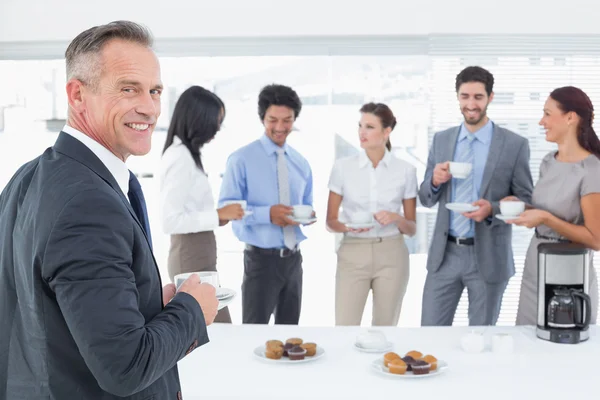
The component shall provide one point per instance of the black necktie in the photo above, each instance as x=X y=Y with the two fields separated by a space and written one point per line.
x=136 y=198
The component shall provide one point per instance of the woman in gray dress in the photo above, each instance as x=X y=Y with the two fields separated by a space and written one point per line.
x=566 y=199
x=186 y=198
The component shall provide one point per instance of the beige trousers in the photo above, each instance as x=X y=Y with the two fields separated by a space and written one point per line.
x=379 y=264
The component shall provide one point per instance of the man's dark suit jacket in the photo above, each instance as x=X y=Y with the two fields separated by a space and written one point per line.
x=80 y=293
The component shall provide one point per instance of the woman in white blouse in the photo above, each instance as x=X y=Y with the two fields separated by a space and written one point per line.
x=187 y=203
x=372 y=256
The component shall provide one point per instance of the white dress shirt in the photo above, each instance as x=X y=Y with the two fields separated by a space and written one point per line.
x=365 y=188
x=186 y=199
x=114 y=164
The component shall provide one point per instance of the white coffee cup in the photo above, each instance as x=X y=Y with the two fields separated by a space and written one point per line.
x=302 y=211
x=372 y=339
x=362 y=217
x=511 y=208
x=210 y=277
x=473 y=342
x=502 y=343
x=460 y=170
x=242 y=203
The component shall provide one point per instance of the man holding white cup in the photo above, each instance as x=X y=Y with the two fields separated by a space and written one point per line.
x=469 y=170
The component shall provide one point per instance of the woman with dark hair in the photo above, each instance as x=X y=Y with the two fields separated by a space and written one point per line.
x=566 y=199
x=372 y=256
x=187 y=203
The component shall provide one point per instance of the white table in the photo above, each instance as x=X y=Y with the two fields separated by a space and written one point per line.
x=226 y=368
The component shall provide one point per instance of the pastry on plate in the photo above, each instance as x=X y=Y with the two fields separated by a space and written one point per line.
x=389 y=357
x=431 y=360
x=311 y=349
x=397 y=366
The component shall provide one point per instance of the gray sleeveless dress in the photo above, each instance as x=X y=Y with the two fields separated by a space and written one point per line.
x=559 y=190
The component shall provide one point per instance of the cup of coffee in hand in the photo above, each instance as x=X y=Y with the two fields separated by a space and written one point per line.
x=460 y=170
x=362 y=217
x=242 y=203
x=302 y=212
x=512 y=208
x=210 y=277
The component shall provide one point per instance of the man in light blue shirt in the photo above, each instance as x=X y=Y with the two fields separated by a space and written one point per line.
x=271 y=177
x=470 y=248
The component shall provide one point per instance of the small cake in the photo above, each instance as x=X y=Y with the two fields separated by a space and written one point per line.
x=274 y=352
x=397 y=366
x=409 y=362
x=421 y=367
x=274 y=343
x=431 y=360
x=295 y=341
x=286 y=348
x=311 y=349
x=389 y=357
x=414 y=354
x=296 y=353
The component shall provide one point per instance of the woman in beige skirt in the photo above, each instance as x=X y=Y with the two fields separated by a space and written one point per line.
x=187 y=203
x=566 y=198
x=377 y=192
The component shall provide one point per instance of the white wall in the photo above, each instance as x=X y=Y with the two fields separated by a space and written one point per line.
x=61 y=20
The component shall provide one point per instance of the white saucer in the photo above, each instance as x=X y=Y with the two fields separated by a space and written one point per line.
x=361 y=226
x=225 y=296
x=506 y=217
x=378 y=367
x=259 y=352
x=304 y=220
x=386 y=348
x=461 y=207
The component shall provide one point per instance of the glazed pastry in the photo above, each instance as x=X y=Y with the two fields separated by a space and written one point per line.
x=397 y=366
x=286 y=347
x=389 y=357
x=414 y=354
x=409 y=362
x=274 y=343
x=274 y=352
x=296 y=353
x=295 y=341
x=421 y=367
x=311 y=349
x=431 y=360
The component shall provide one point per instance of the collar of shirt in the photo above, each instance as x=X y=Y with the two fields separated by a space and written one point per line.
x=363 y=159
x=270 y=147
x=483 y=134
x=115 y=165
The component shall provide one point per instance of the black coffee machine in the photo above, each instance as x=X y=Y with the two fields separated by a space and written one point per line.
x=564 y=306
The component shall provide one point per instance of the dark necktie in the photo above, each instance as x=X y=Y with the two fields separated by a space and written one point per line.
x=136 y=198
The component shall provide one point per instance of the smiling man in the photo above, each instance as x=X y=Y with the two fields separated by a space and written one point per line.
x=470 y=248
x=271 y=177
x=83 y=312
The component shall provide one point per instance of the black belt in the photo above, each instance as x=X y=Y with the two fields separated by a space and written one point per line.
x=537 y=235
x=283 y=253
x=461 y=241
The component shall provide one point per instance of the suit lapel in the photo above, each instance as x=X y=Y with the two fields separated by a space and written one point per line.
x=71 y=147
x=450 y=148
x=492 y=159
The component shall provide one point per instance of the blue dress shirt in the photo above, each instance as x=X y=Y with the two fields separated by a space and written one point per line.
x=251 y=175
x=481 y=147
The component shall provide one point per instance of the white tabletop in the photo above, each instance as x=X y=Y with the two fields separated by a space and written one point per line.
x=226 y=368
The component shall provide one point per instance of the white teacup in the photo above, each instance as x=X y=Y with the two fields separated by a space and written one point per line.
x=512 y=208
x=472 y=342
x=303 y=211
x=460 y=170
x=372 y=339
x=210 y=277
x=242 y=203
x=362 y=217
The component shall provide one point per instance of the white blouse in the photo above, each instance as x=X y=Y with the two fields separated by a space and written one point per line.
x=365 y=188
x=186 y=200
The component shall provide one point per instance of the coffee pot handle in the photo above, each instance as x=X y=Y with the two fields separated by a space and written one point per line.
x=588 y=308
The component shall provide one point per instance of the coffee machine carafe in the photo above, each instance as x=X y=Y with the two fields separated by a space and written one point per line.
x=564 y=306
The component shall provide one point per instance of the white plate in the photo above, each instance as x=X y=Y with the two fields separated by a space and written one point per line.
x=384 y=349
x=461 y=207
x=304 y=220
x=506 y=217
x=360 y=226
x=259 y=352
x=381 y=369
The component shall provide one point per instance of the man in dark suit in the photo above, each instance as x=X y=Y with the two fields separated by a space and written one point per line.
x=82 y=309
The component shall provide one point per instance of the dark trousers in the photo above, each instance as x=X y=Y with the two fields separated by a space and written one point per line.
x=272 y=284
